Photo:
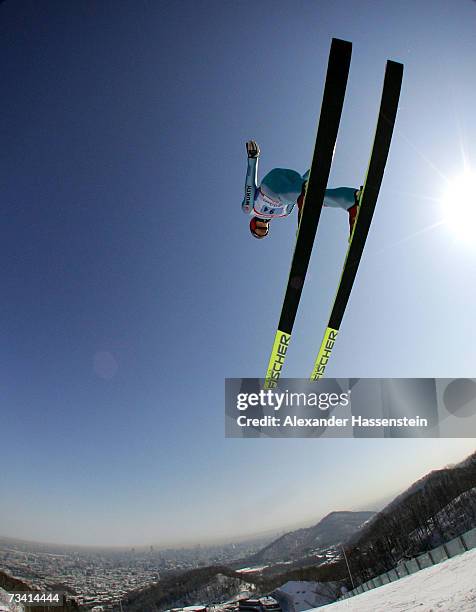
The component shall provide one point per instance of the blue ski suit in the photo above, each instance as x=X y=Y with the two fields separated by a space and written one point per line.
x=279 y=192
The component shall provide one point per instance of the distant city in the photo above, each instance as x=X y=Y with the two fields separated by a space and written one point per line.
x=101 y=577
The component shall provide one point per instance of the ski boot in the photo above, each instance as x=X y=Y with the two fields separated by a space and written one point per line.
x=300 y=201
x=354 y=212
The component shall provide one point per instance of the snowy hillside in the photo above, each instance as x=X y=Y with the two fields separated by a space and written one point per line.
x=418 y=486
x=313 y=541
x=299 y=596
x=448 y=586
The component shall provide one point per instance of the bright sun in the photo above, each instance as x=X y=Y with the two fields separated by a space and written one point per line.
x=459 y=203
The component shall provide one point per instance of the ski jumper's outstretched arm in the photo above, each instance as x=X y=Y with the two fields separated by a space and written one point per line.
x=251 y=183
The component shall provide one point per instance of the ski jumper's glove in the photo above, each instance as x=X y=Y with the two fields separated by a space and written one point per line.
x=252 y=149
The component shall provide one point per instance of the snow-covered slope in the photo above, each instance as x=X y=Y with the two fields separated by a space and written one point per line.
x=300 y=596
x=448 y=586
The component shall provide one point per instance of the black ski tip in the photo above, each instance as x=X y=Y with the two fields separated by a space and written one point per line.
x=393 y=79
x=395 y=67
x=341 y=42
x=339 y=58
x=341 y=46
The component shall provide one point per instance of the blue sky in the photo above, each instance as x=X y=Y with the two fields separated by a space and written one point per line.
x=131 y=286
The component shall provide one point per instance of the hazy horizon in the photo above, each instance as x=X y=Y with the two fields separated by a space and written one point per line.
x=372 y=506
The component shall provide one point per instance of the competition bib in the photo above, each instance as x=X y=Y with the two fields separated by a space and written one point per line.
x=266 y=207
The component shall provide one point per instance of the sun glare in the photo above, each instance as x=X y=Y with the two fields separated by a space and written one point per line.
x=459 y=203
